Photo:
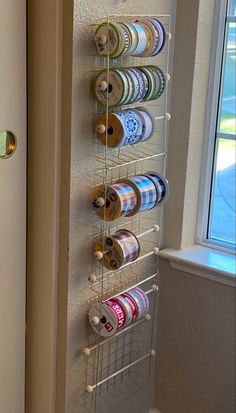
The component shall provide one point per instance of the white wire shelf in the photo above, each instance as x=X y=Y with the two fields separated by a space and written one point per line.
x=90 y=388
x=128 y=155
x=113 y=284
x=88 y=350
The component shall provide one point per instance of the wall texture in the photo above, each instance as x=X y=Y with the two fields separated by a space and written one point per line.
x=196 y=318
x=87 y=13
x=194 y=25
x=196 y=345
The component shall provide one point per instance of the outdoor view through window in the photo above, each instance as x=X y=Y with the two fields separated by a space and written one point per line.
x=221 y=223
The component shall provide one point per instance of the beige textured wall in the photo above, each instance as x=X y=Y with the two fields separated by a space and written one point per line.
x=194 y=24
x=196 y=318
x=196 y=344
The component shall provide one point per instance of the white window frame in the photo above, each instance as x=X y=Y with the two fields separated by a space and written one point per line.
x=208 y=161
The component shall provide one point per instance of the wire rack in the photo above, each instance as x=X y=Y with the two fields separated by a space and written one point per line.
x=121 y=364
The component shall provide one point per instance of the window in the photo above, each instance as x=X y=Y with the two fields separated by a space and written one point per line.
x=217 y=209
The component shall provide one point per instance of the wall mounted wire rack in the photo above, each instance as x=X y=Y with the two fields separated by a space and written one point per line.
x=122 y=364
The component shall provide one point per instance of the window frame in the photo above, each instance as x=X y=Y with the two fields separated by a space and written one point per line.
x=210 y=141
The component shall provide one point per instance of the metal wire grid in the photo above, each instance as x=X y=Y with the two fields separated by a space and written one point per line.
x=112 y=159
x=127 y=155
x=114 y=355
x=122 y=349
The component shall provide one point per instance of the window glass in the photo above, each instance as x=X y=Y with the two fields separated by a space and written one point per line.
x=232 y=8
x=221 y=223
x=227 y=109
x=222 y=217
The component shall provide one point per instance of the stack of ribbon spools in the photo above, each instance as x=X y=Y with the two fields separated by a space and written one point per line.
x=121 y=248
x=114 y=87
x=142 y=37
x=125 y=127
x=129 y=196
x=114 y=314
x=124 y=86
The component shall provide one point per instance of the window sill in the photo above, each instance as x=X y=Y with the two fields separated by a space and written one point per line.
x=203 y=261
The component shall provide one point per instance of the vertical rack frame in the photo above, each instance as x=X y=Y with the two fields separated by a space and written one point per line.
x=111 y=361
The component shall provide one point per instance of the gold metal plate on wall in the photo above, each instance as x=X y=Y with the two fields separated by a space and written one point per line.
x=7 y=144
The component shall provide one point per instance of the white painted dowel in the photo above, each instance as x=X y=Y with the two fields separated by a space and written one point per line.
x=103 y=85
x=133 y=286
x=87 y=350
x=92 y=278
x=160 y=117
x=167 y=116
x=101 y=129
x=148 y=254
x=102 y=39
x=100 y=202
x=154 y=288
x=100 y=254
x=90 y=388
x=155 y=228
x=167 y=77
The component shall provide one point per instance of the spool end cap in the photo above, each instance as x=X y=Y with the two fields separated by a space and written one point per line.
x=95 y=321
x=101 y=39
x=98 y=255
x=156 y=228
x=167 y=77
x=169 y=35
x=89 y=389
x=156 y=250
x=92 y=278
x=168 y=116
x=103 y=85
x=153 y=352
x=155 y=287
x=86 y=351
x=101 y=129
x=148 y=317
x=100 y=202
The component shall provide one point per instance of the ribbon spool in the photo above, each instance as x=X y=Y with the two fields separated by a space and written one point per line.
x=111 y=88
x=162 y=186
x=130 y=195
x=143 y=37
x=128 y=308
x=126 y=127
x=135 y=83
x=118 y=87
x=141 y=300
x=120 y=248
x=142 y=87
x=146 y=193
x=160 y=80
x=162 y=36
x=111 y=129
x=112 y=39
x=150 y=85
x=118 y=199
x=111 y=316
x=148 y=123
x=106 y=318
